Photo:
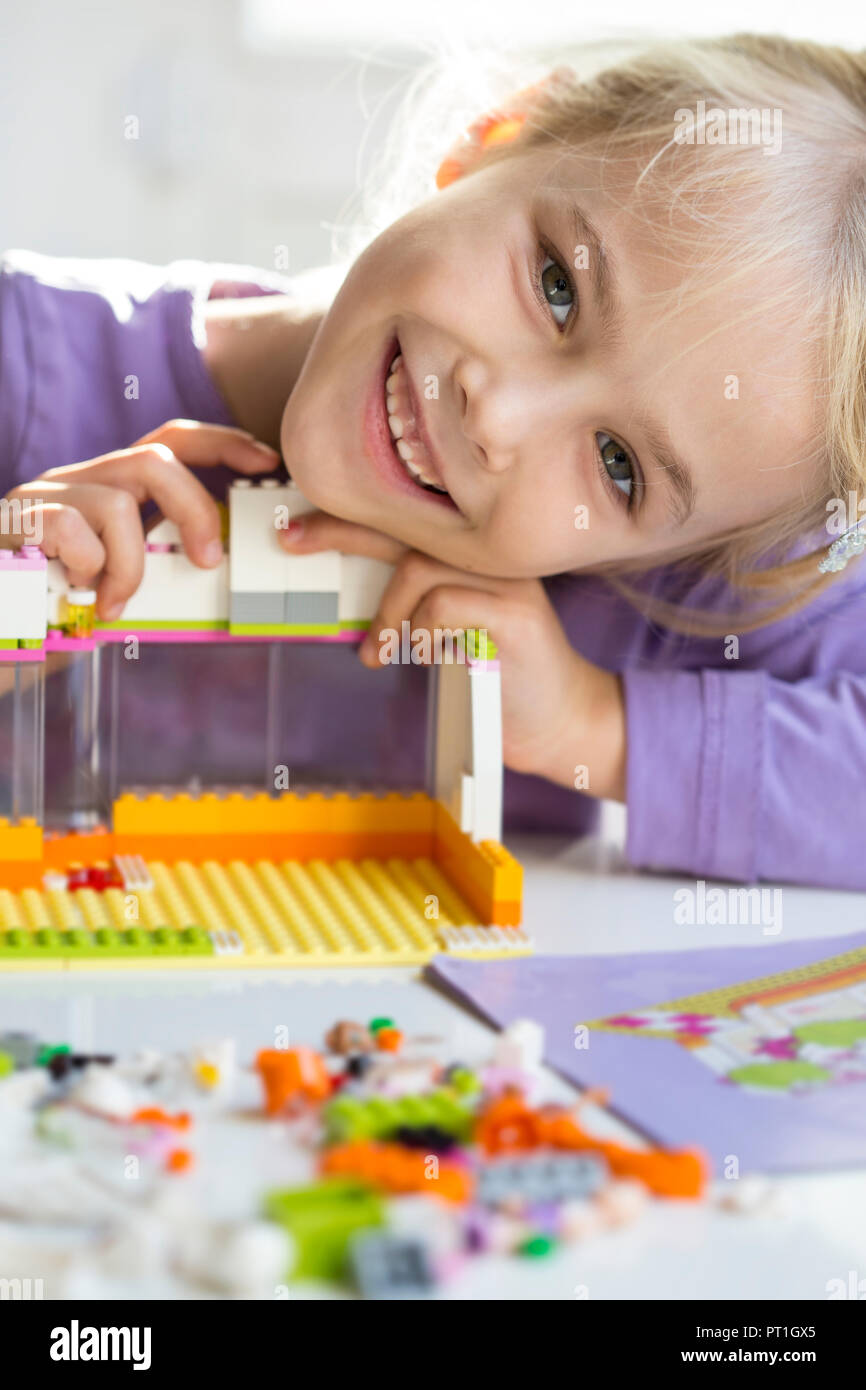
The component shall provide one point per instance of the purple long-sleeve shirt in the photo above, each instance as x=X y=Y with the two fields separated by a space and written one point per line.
x=747 y=768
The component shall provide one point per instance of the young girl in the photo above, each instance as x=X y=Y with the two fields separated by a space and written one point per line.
x=622 y=351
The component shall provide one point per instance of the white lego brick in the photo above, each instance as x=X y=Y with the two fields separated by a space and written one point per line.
x=467 y=752
x=521 y=1046
x=485 y=695
x=173 y=589
x=165 y=532
x=363 y=582
x=257 y=561
x=315 y=574
x=23 y=603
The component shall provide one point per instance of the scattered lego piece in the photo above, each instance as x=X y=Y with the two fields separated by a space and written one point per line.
x=101 y=1091
x=397 y=1169
x=387 y=1265
x=377 y=1117
x=378 y=1023
x=346 y=1038
x=520 y=1046
x=155 y=1115
x=389 y=1039
x=540 y=1177
x=296 y=1074
x=62 y=1063
x=23 y=1048
x=322 y=1220
x=179 y=1161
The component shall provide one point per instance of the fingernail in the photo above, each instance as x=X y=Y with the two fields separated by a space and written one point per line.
x=266 y=449
x=366 y=647
x=113 y=611
x=294 y=531
x=213 y=553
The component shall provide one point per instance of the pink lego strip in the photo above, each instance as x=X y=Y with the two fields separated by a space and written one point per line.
x=11 y=656
x=29 y=557
x=56 y=643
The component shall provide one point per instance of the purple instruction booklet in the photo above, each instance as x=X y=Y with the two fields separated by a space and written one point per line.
x=754 y=1054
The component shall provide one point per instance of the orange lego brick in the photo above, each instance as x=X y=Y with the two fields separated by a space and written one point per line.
x=22 y=841
x=292 y=1074
x=489 y=878
x=291 y=814
x=394 y=1168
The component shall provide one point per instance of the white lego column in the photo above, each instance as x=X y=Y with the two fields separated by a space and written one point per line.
x=23 y=594
x=466 y=752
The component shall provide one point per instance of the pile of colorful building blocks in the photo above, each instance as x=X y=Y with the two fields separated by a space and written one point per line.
x=414 y=1163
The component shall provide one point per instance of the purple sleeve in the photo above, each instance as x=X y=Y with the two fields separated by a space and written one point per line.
x=96 y=353
x=739 y=775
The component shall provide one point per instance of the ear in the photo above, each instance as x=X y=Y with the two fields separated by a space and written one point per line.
x=499 y=127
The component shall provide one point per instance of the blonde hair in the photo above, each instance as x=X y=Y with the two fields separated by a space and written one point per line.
x=805 y=205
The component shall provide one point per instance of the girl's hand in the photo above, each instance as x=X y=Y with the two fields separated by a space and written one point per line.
x=87 y=515
x=562 y=717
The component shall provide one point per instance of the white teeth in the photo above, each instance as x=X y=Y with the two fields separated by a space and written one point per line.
x=396 y=401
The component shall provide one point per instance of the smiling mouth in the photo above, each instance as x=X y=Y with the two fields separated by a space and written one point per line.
x=411 y=451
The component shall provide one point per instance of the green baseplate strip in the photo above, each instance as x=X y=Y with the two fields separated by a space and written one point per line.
x=49 y=943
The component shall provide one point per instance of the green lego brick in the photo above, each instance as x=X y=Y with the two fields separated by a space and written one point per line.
x=104 y=943
x=348 y=1118
x=163 y=625
x=285 y=629
x=30 y=644
x=322 y=1220
x=478 y=646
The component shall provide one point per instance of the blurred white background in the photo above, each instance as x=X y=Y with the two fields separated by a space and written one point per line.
x=255 y=117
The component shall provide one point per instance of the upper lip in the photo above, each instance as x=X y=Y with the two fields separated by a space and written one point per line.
x=421 y=426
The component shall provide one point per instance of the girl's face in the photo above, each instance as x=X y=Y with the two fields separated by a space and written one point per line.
x=543 y=418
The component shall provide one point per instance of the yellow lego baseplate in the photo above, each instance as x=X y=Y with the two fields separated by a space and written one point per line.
x=234 y=880
x=261 y=915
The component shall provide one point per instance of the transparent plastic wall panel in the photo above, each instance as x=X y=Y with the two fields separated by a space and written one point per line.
x=77 y=741
x=258 y=715
x=22 y=723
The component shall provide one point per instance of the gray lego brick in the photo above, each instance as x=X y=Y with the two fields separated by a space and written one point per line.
x=390 y=1266
x=311 y=608
x=544 y=1177
x=256 y=608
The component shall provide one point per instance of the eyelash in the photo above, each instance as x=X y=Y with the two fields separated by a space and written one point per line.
x=628 y=502
x=546 y=252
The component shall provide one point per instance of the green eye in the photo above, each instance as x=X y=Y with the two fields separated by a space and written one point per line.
x=557 y=290
x=617 y=463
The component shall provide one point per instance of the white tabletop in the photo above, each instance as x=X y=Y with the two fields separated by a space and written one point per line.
x=579 y=899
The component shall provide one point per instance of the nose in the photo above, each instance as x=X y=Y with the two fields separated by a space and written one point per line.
x=501 y=414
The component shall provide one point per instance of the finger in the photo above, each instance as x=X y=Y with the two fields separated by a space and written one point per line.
x=66 y=535
x=416 y=575
x=320 y=531
x=152 y=473
x=111 y=514
x=207 y=446
x=445 y=612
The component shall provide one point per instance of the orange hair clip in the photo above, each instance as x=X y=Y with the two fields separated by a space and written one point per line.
x=500 y=127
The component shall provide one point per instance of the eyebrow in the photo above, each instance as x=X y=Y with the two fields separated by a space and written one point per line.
x=677 y=472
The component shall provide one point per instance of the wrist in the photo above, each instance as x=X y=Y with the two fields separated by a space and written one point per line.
x=589 y=754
